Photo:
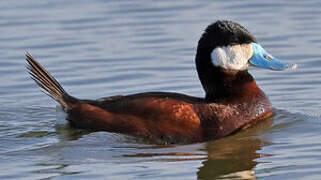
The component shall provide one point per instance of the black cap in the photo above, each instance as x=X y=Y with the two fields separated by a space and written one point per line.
x=224 y=33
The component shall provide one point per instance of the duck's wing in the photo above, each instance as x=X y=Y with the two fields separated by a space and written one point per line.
x=153 y=115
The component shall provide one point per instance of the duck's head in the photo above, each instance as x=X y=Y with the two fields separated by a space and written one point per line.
x=225 y=52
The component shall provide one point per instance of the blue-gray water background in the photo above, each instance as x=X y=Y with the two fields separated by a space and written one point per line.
x=101 y=48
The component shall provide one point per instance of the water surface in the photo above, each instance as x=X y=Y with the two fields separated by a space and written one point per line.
x=103 y=48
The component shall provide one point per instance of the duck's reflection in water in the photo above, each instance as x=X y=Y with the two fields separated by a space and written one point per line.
x=234 y=157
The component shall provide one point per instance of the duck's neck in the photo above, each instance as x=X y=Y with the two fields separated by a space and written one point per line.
x=225 y=85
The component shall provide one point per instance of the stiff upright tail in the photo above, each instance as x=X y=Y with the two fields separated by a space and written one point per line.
x=46 y=81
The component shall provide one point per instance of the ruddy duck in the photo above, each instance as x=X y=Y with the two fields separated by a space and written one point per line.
x=233 y=100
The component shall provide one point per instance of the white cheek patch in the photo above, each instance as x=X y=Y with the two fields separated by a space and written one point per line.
x=232 y=57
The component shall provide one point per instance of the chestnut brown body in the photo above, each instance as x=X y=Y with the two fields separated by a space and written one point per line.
x=175 y=122
x=171 y=117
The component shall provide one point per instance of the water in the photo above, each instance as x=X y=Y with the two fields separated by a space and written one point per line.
x=102 y=48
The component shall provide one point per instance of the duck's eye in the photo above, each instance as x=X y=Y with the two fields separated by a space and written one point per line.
x=267 y=57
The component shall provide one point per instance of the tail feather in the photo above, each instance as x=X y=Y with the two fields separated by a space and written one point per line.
x=45 y=80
